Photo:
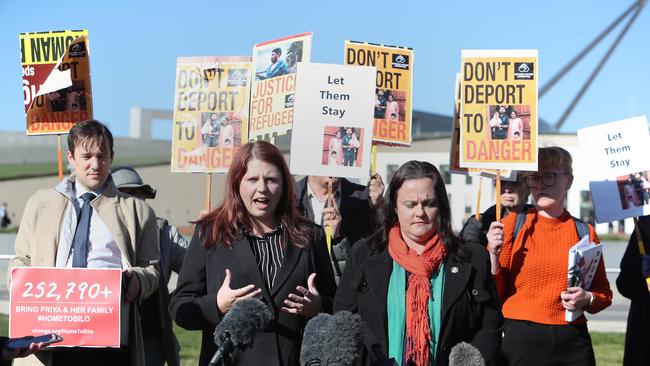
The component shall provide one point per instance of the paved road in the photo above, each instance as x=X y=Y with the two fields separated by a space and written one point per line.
x=612 y=319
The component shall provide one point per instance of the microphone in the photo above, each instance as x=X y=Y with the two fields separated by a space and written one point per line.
x=331 y=340
x=464 y=354
x=315 y=333
x=343 y=343
x=238 y=328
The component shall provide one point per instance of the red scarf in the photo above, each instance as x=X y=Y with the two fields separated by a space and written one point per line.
x=420 y=267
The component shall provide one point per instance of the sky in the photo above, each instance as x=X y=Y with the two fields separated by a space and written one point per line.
x=134 y=45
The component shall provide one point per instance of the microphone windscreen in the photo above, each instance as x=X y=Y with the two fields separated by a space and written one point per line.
x=315 y=333
x=243 y=321
x=343 y=341
x=464 y=354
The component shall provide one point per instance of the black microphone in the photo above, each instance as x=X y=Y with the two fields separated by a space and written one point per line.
x=239 y=326
x=311 y=350
x=331 y=340
x=343 y=343
x=464 y=354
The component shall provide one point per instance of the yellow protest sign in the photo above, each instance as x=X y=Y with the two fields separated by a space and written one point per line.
x=210 y=112
x=498 y=109
x=393 y=104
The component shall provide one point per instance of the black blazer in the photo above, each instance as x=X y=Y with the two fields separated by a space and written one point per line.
x=194 y=303
x=471 y=309
x=631 y=284
x=358 y=219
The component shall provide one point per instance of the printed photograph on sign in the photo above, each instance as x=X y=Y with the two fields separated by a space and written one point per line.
x=220 y=129
x=509 y=122
x=278 y=60
x=273 y=85
x=390 y=104
x=634 y=189
x=342 y=146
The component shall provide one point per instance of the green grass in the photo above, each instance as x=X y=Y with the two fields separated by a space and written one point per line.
x=607 y=346
x=190 y=342
x=31 y=170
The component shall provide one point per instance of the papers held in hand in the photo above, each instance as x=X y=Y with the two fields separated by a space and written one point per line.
x=583 y=262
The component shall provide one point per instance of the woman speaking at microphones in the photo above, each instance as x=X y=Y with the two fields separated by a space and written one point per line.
x=255 y=245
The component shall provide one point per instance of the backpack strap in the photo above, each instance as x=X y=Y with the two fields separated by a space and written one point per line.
x=582 y=228
x=519 y=222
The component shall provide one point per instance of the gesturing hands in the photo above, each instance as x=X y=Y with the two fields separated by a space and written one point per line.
x=305 y=302
x=227 y=296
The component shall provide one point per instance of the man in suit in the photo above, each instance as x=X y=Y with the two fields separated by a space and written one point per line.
x=352 y=217
x=86 y=222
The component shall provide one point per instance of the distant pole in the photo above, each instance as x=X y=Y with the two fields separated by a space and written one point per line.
x=208 y=192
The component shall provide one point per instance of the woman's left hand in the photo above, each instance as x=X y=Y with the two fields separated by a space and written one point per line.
x=306 y=301
x=575 y=298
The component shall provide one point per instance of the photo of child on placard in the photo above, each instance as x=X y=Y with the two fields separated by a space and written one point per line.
x=508 y=122
x=220 y=129
x=390 y=105
x=342 y=146
x=634 y=189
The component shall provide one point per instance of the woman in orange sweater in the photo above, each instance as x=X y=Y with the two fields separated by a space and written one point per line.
x=530 y=271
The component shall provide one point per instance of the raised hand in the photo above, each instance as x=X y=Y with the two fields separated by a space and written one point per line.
x=305 y=301
x=227 y=296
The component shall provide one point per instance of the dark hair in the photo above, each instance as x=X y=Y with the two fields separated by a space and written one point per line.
x=388 y=216
x=225 y=224
x=90 y=131
x=277 y=50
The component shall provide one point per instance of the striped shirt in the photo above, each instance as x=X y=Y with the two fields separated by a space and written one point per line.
x=269 y=253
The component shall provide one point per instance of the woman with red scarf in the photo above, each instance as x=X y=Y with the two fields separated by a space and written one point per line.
x=418 y=288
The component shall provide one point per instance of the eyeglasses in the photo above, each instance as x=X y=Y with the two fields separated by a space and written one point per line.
x=547 y=178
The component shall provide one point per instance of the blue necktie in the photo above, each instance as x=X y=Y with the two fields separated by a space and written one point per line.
x=80 y=241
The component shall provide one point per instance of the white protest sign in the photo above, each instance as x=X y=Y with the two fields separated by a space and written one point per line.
x=616 y=155
x=333 y=120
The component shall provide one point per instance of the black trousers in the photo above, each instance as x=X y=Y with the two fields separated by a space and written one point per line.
x=528 y=343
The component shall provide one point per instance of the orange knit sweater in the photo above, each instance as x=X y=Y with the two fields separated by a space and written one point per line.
x=532 y=276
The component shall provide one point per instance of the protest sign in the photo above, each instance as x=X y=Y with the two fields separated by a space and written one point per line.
x=454 y=156
x=498 y=109
x=616 y=155
x=273 y=88
x=393 y=111
x=82 y=305
x=333 y=120
x=56 y=80
x=210 y=112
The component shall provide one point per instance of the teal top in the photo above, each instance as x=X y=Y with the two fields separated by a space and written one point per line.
x=396 y=310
